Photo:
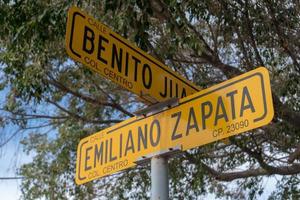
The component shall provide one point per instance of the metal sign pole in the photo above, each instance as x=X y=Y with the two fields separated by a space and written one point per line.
x=159 y=178
x=159 y=162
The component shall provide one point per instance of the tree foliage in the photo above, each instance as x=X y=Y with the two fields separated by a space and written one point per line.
x=206 y=41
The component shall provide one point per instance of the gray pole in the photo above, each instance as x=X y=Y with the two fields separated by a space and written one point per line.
x=159 y=163
x=159 y=178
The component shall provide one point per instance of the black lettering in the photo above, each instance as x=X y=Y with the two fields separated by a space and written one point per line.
x=154 y=143
x=86 y=38
x=137 y=61
x=142 y=137
x=222 y=114
x=205 y=115
x=100 y=48
x=98 y=154
x=116 y=57
x=86 y=167
x=121 y=145
x=183 y=93
x=165 y=93
x=249 y=105
x=171 y=88
x=126 y=63
x=231 y=95
x=129 y=143
x=106 y=151
x=147 y=85
x=174 y=134
x=190 y=124
x=111 y=157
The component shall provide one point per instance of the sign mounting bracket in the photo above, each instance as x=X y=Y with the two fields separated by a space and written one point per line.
x=157 y=107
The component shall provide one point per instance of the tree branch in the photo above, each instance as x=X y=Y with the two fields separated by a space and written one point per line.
x=81 y=117
x=295 y=155
x=32 y=116
x=249 y=26
x=230 y=176
x=282 y=37
x=11 y=178
x=87 y=98
x=23 y=129
x=288 y=114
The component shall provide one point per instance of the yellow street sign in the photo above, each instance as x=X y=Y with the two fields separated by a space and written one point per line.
x=232 y=107
x=107 y=53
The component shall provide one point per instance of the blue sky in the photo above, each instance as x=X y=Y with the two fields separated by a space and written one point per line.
x=11 y=157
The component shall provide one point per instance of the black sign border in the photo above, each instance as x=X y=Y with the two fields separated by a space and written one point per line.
x=259 y=74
